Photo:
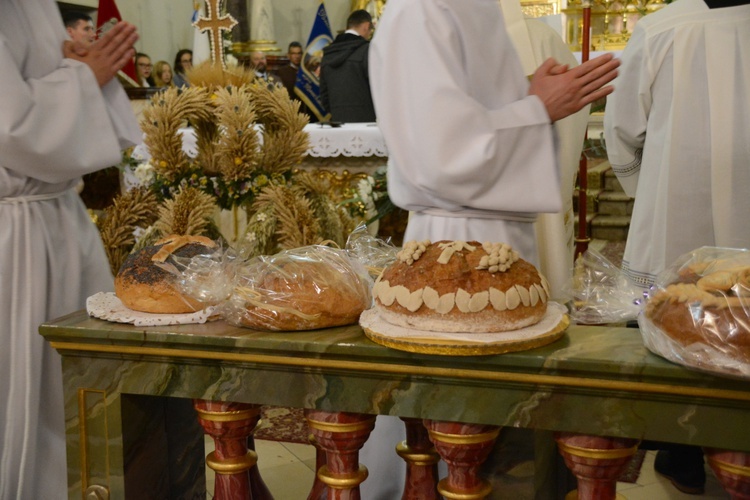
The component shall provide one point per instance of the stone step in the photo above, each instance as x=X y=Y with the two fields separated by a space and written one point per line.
x=610 y=227
x=614 y=203
x=592 y=200
x=610 y=181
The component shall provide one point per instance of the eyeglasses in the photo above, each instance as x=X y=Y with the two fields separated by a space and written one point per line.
x=183 y=61
x=145 y=65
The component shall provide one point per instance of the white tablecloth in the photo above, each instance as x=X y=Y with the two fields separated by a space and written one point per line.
x=350 y=139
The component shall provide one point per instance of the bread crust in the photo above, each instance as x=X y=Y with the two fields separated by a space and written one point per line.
x=304 y=295
x=143 y=286
x=461 y=276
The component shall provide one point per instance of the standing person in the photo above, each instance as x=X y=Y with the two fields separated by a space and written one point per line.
x=288 y=72
x=163 y=74
x=143 y=70
x=288 y=76
x=344 y=79
x=61 y=116
x=472 y=151
x=183 y=62
x=80 y=27
x=677 y=132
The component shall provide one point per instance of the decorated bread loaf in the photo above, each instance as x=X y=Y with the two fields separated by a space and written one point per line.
x=143 y=285
x=457 y=286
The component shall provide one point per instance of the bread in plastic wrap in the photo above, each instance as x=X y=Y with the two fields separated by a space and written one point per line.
x=698 y=312
x=301 y=289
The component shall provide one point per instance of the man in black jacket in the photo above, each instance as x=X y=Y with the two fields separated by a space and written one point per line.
x=344 y=81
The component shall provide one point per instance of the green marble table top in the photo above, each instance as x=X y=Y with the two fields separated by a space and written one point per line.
x=597 y=380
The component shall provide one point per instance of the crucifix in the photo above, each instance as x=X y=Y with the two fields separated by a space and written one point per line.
x=215 y=23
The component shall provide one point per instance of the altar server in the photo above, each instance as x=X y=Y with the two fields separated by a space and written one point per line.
x=60 y=118
x=677 y=131
x=472 y=147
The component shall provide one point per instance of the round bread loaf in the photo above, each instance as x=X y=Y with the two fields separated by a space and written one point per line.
x=142 y=285
x=294 y=294
x=456 y=286
x=711 y=310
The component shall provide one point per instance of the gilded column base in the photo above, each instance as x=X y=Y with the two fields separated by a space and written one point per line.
x=596 y=462
x=732 y=469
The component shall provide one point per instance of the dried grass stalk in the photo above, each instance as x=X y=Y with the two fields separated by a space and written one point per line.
x=238 y=144
x=188 y=213
x=136 y=208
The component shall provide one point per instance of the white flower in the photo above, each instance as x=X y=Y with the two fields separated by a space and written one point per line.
x=144 y=173
x=262 y=217
x=138 y=232
x=251 y=237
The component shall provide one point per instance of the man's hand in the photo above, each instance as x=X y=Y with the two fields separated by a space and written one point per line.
x=565 y=92
x=107 y=55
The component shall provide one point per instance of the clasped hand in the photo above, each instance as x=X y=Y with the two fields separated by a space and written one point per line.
x=108 y=54
x=565 y=91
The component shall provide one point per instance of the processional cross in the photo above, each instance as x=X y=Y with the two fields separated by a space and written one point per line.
x=215 y=23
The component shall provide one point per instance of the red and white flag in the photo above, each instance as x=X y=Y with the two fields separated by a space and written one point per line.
x=107 y=16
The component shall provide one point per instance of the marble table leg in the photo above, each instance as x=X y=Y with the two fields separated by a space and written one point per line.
x=341 y=435
x=732 y=469
x=596 y=461
x=319 y=490
x=421 y=462
x=230 y=425
x=464 y=447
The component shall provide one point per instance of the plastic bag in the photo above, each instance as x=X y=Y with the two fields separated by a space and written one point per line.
x=301 y=289
x=372 y=252
x=601 y=293
x=698 y=312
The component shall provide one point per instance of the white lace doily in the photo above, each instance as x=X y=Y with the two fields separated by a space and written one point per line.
x=106 y=305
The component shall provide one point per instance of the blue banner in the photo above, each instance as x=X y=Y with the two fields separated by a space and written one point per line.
x=307 y=87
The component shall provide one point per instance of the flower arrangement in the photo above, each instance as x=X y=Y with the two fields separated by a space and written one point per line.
x=370 y=200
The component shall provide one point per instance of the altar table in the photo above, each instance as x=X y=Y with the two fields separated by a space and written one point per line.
x=123 y=383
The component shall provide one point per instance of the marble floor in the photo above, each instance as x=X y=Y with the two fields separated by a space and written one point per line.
x=288 y=471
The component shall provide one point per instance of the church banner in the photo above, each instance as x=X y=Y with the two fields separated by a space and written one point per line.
x=307 y=87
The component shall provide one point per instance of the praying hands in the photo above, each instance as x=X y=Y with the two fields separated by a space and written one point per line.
x=564 y=92
x=108 y=54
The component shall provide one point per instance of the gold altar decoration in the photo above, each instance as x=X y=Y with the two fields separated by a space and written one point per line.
x=612 y=21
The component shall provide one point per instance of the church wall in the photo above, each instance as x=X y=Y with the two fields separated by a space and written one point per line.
x=164 y=25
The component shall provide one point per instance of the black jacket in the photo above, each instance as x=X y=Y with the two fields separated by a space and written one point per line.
x=344 y=81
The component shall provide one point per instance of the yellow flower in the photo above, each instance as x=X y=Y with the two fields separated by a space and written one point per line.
x=237 y=161
x=163 y=164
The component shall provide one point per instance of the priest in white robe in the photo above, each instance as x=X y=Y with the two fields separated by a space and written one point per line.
x=58 y=121
x=472 y=148
x=677 y=131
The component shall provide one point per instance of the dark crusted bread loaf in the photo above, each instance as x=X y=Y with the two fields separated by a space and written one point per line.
x=456 y=286
x=142 y=285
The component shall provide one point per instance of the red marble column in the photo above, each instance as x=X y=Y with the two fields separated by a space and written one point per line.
x=421 y=462
x=732 y=469
x=464 y=447
x=341 y=436
x=230 y=425
x=319 y=490
x=596 y=462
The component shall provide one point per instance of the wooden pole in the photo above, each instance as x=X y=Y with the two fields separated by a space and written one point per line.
x=582 y=241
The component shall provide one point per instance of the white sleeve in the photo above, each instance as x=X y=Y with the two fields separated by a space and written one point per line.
x=454 y=150
x=626 y=114
x=58 y=127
